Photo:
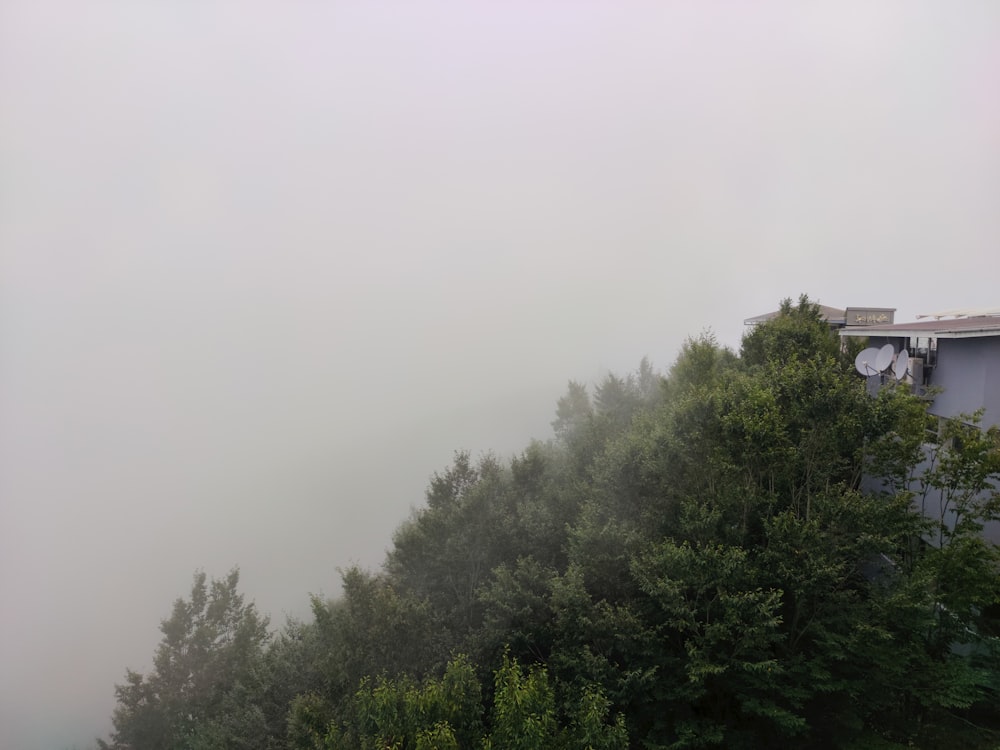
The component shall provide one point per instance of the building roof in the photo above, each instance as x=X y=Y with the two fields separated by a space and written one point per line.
x=975 y=326
x=962 y=313
x=832 y=315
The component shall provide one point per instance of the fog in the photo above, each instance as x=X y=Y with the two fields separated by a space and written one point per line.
x=265 y=265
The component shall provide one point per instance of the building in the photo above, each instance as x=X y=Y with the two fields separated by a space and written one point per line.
x=838 y=318
x=956 y=353
x=954 y=357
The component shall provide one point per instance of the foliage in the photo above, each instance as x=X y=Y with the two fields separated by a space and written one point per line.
x=798 y=332
x=442 y=713
x=204 y=684
x=750 y=551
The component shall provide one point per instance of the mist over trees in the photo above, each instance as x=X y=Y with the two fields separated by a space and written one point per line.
x=693 y=561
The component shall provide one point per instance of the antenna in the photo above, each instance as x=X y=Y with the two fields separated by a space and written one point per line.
x=864 y=363
x=902 y=365
x=884 y=358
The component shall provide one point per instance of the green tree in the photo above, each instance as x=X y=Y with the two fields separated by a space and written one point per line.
x=311 y=723
x=524 y=713
x=573 y=412
x=401 y=713
x=205 y=667
x=797 y=331
x=956 y=570
x=377 y=627
x=700 y=363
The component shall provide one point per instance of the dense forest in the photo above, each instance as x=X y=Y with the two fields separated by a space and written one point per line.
x=726 y=554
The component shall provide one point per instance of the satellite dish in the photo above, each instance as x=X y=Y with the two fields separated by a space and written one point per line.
x=864 y=363
x=884 y=358
x=902 y=365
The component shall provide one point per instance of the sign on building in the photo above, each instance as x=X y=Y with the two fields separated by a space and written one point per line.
x=869 y=316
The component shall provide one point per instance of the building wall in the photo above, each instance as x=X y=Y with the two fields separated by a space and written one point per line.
x=968 y=371
x=929 y=501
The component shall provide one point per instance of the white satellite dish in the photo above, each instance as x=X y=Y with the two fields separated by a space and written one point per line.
x=902 y=365
x=884 y=358
x=864 y=363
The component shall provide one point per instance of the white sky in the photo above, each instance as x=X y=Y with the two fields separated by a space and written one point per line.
x=265 y=265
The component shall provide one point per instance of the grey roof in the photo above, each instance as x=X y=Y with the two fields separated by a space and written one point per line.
x=962 y=313
x=973 y=327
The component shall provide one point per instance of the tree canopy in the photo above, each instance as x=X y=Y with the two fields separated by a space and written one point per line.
x=740 y=552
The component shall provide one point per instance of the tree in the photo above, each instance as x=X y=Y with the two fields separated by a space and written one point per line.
x=443 y=713
x=524 y=714
x=449 y=549
x=798 y=331
x=958 y=491
x=376 y=628
x=573 y=412
x=205 y=665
